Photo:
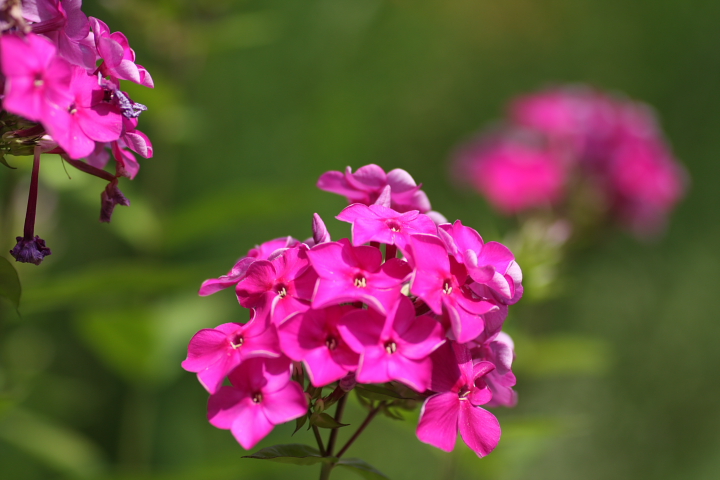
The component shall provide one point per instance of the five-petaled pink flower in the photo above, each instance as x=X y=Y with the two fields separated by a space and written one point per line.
x=456 y=407
x=356 y=274
x=393 y=347
x=441 y=282
x=313 y=338
x=283 y=284
x=215 y=352
x=261 y=396
x=381 y=224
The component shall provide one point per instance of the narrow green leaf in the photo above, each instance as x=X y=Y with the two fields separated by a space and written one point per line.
x=323 y=420
x=299 y=423
x=374 y=392
x=9 y=283
x=362 y=468
x=4 y=162
x=294 y=453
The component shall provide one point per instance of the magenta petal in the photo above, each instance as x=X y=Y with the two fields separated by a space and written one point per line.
x=322 y=368
x=251 y=425
x=353 y=212
x=438 y=425
x=480 y=396
x=101 y=122
x=416 y=374
x=496 y=254
x=368 y=178
x=211 y=378
x=479 y=429
x=206 y=347
x=373 y=367
x=371 y=230
x=285 y=404
x=225 y=406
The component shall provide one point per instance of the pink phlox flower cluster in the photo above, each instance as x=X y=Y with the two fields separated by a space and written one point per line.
x=61 y=71
x=427 y=322
x=562 y=137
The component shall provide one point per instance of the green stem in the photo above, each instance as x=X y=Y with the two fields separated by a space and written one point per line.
x=327 y=467
x=338 y=417
x=360 y=429
x=319 y=441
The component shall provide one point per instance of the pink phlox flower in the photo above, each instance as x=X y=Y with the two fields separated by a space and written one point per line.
x=313 y=338
x=579 y=118
x=491 y=264
x=283 y=284
x=442 y=283
x=37 y=80
x=367 y=184
x=645 y=184
x=87 y=119
x=349 y=274
x=262 y=395
x=238 y=271
x=456 y=407
x=514 y=176
x=393 y=347
x=500 y=351
x=66 y=25
x=215 y=352
x=118 y=57
x=381 y=224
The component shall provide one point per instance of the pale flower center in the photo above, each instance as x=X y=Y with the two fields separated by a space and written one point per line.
x=393 y=225
x=281 y=290
x=237 y=341
x=447 y=287
x=390 y=347
x=360 y=281
x=257 y=397
x=331 y=343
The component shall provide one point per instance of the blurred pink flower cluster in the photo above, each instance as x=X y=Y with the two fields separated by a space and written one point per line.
x=423 y=321
x=60 y=84
x=567 y=142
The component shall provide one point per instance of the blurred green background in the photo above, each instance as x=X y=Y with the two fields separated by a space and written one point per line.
x=617 y=371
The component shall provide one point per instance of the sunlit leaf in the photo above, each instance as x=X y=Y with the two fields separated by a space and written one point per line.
x=9 y=283
x=362 y=468
x=294 y=453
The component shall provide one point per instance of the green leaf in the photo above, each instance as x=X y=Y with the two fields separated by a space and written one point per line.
x=362 y=468
x=375 y=392
x=4 y=162
x=9 y=283
x=294 y=453
x=323 y=420
x=299 y=423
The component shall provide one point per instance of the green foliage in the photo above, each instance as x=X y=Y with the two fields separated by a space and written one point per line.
x=323 y=420
x=295 y=454
x=362 y=468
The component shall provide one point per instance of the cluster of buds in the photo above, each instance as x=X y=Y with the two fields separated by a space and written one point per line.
x=420 y=324
x=61 y=94
x=574 y=146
